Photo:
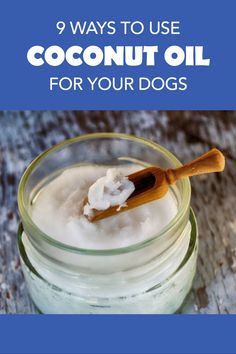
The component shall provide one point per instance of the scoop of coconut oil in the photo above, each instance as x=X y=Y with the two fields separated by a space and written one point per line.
x=110 y=190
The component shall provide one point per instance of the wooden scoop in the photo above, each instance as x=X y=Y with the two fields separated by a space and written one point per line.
x=153 y=183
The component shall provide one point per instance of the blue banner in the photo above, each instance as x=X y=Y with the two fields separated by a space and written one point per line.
x=120 y=55
x=118 y=334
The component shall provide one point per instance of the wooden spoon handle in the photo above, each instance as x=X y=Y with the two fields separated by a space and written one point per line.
x=212 y=161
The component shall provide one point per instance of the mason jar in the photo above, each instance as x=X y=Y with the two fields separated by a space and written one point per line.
x=149 y=277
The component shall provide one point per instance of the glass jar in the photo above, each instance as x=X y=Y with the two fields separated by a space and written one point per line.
x=153 y=276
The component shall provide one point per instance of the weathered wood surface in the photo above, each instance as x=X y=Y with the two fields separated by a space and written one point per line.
x=187 y=134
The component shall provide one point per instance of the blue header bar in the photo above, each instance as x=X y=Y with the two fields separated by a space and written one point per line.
x=125 y=55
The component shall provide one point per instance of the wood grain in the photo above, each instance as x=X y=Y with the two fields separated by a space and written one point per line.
x=23 y=135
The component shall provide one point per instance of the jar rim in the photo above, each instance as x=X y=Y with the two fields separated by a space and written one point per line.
x=27 y=220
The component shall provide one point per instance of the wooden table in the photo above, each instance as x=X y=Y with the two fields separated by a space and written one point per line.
x=23 y=135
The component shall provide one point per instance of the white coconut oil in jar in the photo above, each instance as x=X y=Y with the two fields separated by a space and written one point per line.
x=140 y=261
